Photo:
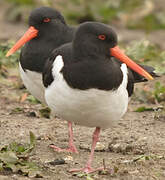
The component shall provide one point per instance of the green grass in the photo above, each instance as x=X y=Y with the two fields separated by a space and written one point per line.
x=144 y=52
x=14 y=158
x=154 y=95
x=11 y=60
x=5 y=62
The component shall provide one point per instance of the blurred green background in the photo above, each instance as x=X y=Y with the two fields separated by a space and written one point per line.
x=140 y=24
x=147 y=15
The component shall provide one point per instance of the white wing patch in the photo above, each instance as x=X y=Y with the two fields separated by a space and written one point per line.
x=125 y=74
x=57 y=66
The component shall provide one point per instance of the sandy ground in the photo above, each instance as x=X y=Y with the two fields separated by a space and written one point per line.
x=137 y=134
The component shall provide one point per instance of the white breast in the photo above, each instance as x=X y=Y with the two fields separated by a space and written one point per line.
x=33 y=82
x=92 y=107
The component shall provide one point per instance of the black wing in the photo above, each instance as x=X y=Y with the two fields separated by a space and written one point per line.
x=47 y=76
x=134 y=77
x=63 y=50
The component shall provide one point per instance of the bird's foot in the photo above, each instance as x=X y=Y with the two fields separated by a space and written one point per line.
x=86 y=170
x=71 y=149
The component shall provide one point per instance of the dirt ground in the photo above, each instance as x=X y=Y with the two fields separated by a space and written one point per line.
x=134 y=149
x=124 y=148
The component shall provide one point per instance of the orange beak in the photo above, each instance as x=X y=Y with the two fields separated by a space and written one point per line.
x=117 y=53
x=31 y=33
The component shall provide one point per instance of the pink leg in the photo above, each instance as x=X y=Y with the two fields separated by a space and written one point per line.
x=88 y=168
x=72 y=147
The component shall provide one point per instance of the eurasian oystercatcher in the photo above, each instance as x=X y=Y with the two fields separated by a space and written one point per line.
x=87 y=81
x=47 y=30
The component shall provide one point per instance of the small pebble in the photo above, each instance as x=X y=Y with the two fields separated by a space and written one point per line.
x=68 y=158
x=57 y=162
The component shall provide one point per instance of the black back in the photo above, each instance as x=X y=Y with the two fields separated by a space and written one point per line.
x=88 y=65
x=104 y=74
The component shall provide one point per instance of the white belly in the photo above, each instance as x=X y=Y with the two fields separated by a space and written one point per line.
x=93 y=107
x=33 y=82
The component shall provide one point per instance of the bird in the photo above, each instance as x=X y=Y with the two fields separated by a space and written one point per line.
x=89 y=81
x=47 y=30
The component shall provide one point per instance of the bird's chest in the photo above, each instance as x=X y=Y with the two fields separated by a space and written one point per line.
x=33 y=82
x=87 y=107
x=35 y=54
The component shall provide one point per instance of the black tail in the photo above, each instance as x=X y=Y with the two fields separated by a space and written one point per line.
x=134 y=77
x=138 y=78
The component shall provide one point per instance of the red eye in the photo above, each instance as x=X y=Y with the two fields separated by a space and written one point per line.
x=102 y=37
x=46 y=20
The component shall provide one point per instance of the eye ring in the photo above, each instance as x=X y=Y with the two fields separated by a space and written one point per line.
x=102 y=37
x=46 y=20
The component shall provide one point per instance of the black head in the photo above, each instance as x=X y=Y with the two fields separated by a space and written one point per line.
x=47 y=20
x=46 y=25
x=44 y=16
x=94 y=38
